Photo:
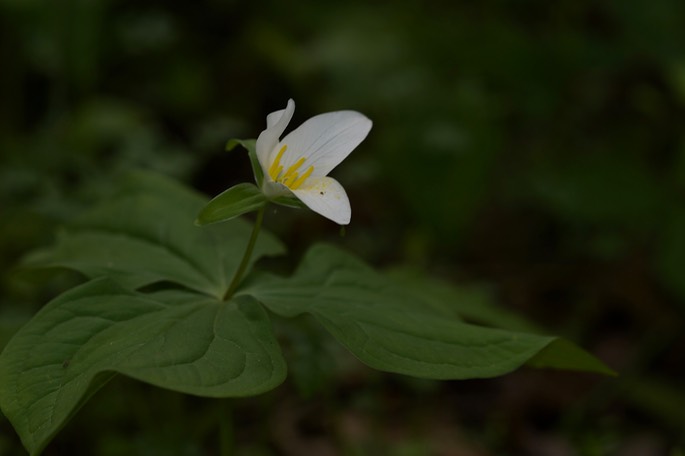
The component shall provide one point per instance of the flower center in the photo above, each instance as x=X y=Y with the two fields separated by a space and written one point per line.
x=291 y=178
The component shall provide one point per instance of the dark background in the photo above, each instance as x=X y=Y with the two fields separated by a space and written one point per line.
x=535 y=148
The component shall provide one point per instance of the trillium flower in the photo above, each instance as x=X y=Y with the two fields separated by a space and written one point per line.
x=299 y=163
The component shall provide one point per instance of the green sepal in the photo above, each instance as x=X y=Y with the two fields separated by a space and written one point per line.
x=251 y=146
x=237 y=200
x=289 y=201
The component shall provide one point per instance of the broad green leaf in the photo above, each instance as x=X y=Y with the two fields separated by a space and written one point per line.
x=145 y=234
x=251 y=146
x=394 y=329
x=237 y=200
x=178 y=340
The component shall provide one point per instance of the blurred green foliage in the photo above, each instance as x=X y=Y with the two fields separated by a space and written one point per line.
x=537 y=147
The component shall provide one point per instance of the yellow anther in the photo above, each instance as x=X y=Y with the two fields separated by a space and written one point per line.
x=288 y=181
x=276 y=168
x=290 y=178
x=300 y=180
x=291 y=171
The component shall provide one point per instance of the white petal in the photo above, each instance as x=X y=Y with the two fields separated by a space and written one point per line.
x=325 y=140
x=325 y=196
x=276 y=122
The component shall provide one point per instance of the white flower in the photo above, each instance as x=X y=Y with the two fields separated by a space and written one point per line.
x=299 y=163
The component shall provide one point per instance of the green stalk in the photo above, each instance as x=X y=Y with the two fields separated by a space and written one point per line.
x=246 y=256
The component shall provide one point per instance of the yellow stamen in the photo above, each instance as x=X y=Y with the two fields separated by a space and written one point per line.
x=290 y=179
x=278 y=171
x=300 y=180
x=293 y=168
x=276 y=168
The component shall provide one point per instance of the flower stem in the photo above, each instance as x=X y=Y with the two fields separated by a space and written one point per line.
x=246 y=256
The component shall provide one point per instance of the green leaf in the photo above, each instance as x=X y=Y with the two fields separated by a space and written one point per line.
x=394 y=329
x=145 y=234
x=178 y=340
x=251 y=146
x=237 y=200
